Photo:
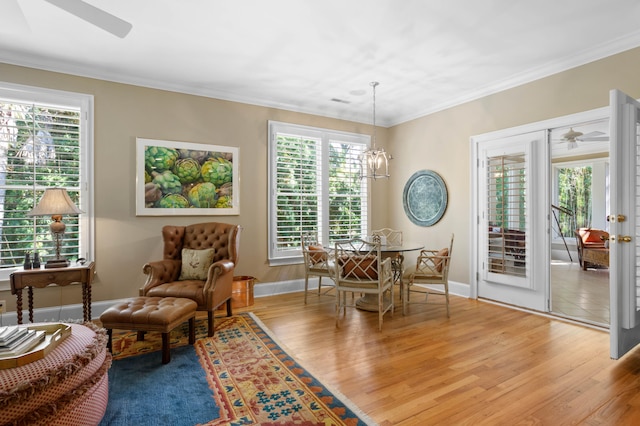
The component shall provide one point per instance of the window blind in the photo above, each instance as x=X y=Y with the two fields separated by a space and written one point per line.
x=507 y=186
x=40 y=147
x=315 y=187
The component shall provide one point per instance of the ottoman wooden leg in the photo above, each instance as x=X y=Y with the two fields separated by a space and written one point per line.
x=192 y=330
x=110 y=342
x=166 y=350
x=210 y=325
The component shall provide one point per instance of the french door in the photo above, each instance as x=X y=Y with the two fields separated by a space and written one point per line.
x=512 y=220
x=624 y=220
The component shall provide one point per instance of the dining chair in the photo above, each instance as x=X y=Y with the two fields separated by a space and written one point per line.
x=318 y=262
x=360 y=268
x=391 y=237
x=432 y=271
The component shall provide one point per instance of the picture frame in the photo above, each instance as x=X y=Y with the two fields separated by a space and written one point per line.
x=186 y=179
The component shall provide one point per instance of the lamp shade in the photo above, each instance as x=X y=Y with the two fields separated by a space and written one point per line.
x=55 y=201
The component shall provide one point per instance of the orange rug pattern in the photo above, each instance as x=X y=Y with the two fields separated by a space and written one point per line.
x=254 y=380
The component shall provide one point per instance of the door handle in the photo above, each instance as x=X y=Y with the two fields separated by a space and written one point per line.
x=618 y=218
x=624 y=239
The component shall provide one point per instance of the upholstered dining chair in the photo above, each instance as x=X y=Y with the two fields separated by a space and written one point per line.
x=198 y=264
x=391 y=237
x=360 y=268
x=432 y=271
x=318 y=262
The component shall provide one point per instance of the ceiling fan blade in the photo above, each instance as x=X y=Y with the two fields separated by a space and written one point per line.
x=593 y=137
x=95 y=16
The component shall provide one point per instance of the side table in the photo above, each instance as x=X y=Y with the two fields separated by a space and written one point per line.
x=42 y=277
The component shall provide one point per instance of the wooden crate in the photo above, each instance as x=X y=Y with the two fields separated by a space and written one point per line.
x=242 y=291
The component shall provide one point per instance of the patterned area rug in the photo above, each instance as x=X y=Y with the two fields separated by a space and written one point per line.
x=251 y=378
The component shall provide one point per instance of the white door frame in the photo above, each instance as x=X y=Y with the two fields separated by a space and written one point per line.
x=542 y=236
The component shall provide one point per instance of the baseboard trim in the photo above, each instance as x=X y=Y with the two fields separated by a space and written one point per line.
x=74 y=312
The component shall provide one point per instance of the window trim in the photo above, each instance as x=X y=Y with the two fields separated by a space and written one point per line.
x=275 y=127
x=64 y=99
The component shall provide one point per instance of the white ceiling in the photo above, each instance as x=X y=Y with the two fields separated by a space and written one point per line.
x=300 y=54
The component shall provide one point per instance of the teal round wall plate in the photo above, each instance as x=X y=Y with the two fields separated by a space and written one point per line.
x=425 y=198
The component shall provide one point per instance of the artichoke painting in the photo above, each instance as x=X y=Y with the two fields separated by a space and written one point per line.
x=179 y=178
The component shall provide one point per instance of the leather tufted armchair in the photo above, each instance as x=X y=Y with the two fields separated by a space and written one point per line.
x=162 y=275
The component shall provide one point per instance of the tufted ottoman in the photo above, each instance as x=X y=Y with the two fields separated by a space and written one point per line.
x=69 y=386
x=160 y=314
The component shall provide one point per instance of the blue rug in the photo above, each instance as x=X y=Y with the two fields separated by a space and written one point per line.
x=143 y=391
x=241 y=376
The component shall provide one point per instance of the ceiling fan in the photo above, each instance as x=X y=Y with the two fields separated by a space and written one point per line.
x=93 y=15
x=572 y=137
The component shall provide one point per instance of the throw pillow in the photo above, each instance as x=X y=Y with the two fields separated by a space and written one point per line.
x=439 y=262
x=317 y=254
x=195 y=264
x=360 y=267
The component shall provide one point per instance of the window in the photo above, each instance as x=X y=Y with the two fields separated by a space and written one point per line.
x=580 y=196
x=45 y=141
x=315 y=186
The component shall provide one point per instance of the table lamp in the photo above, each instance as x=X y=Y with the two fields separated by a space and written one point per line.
x=55 y=202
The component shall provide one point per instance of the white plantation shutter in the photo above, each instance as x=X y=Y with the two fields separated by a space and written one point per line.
x=314 y=187
x=42 y=144
x=507 y=215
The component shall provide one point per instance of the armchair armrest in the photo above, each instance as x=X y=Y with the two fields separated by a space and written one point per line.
x=218 y=272
x=219 y=285
x=160 y=272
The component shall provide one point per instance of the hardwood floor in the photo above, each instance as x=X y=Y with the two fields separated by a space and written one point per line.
x=487 y=364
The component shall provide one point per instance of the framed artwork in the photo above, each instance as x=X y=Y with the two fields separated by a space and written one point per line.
x=186 y=179
x=425 y=198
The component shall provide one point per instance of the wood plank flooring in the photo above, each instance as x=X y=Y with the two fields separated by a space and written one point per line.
x=487 y=364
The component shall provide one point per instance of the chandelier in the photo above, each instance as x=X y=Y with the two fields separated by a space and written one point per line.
x=374 y=163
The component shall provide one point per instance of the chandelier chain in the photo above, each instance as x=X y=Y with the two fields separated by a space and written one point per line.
x=374 y=84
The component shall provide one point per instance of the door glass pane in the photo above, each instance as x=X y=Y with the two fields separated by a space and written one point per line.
x=507 y=237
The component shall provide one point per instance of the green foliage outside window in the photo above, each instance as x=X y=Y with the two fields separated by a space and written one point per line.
x=574 y=194
x=299 y=190
x=39 y=147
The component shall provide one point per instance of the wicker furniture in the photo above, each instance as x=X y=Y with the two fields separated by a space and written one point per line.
x=209 y=291
x=593 y=251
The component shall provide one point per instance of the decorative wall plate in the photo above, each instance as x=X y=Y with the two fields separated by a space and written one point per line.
x=425 y=198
